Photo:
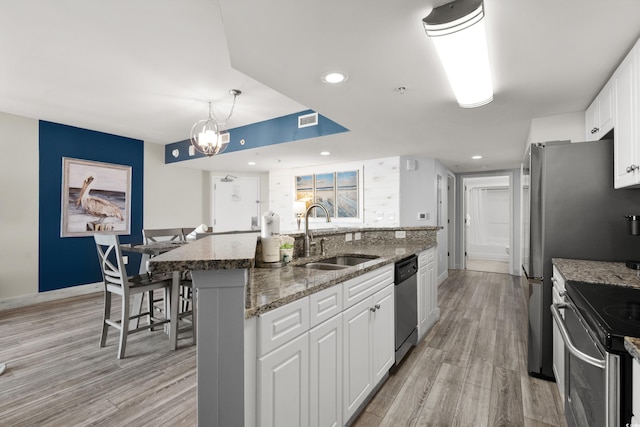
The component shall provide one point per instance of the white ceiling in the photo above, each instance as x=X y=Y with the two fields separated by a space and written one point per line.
x=146 y=69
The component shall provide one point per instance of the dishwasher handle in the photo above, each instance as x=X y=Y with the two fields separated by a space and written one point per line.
x=555 y=312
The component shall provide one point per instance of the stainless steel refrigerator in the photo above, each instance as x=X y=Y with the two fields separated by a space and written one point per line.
x=570 y=210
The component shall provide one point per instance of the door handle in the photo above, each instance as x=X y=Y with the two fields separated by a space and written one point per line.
x=555 y=313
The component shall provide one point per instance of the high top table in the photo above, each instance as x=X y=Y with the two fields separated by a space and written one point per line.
x=219 y=270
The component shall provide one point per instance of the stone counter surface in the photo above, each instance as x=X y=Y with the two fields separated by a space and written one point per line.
x=632 y=345
x=607 y=273
x=269 y=288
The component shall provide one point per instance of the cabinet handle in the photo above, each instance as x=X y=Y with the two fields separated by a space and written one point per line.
x=632 y=168
x=594 y=130
x=377 y=306
x=373 y=309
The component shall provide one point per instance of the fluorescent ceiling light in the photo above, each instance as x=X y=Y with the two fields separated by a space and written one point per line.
x=457 y=31
x=476 y=157
x=325 y=153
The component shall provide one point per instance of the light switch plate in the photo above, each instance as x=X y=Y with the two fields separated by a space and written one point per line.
x=401 y=234
x=347 y=237
x=357 y=236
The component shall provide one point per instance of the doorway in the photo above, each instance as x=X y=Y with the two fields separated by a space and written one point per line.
x=236 y=203
x=487 y=223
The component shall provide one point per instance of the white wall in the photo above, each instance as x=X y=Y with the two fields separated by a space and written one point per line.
x=19 y=167
x=174 y=196
x=561 y=127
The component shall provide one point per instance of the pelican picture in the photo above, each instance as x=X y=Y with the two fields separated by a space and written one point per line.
x=95 y=198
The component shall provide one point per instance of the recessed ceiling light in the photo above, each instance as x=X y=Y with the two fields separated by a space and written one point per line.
x=334 y=77
x=325 y=153
x=476 y=157
x=251 y=163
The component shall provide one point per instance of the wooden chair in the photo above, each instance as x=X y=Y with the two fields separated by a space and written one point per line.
x=187 y=307
x=116 y=282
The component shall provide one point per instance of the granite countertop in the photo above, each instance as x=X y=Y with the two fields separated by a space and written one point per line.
x=632 y=345
x=607 y=273
x=295 y=281
x=269 y=288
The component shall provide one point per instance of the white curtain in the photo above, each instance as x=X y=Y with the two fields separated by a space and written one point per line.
x=476 y=216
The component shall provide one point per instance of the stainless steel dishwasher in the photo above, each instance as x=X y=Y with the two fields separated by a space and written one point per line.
x=406 y=305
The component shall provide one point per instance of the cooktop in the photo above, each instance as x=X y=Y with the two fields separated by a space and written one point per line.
x=612 y=312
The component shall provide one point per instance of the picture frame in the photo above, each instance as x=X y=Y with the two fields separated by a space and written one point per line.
x=96 y=197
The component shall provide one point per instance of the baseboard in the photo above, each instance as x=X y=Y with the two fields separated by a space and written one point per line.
x=25 y=300
x=443 y=277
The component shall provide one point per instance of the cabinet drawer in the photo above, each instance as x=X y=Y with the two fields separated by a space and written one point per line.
x=325 y=304
x=359 y=288
x=279 y=326
x=558 y=280
x=426 y=257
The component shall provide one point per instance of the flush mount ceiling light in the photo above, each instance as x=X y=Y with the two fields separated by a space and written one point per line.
x=208 y=136
x=334 y=77
x=476 y=157
x=457 y=30
x=325 y=153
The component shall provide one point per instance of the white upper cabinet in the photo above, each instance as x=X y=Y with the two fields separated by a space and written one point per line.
x=627 y=153
x=617 y=107
x=599 y=117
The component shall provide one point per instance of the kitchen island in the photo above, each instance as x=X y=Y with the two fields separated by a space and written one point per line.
x=231 y=293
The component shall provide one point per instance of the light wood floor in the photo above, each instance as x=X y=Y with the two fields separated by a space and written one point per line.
x=488 y=265
x=469 y=371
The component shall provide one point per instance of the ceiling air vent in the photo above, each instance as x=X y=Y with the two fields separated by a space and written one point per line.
x=308 y=120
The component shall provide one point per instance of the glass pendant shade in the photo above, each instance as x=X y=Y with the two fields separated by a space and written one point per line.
x=206 y=136
x=458 y=33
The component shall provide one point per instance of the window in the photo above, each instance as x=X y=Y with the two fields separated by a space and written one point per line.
x=336 y=191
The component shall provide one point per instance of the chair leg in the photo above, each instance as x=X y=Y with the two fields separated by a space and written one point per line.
x=124 y=326
x=150 y=309
x=105 y=316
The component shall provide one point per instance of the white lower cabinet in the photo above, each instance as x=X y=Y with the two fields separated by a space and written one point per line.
x=325 y=370
x=428 y=313
x=316 y=370
x=368 y=330
x=635 y=392
x=283 y=385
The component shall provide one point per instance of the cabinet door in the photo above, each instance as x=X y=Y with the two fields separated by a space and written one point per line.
x=606 y=107
x=626 y=122
x=283 y=385
x=424 y=293
x=383 y=333
x=325 y=369
x=357 y=356
x=432 y=284
x=591 y=121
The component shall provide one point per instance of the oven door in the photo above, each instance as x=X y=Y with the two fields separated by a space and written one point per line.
x=591 y=374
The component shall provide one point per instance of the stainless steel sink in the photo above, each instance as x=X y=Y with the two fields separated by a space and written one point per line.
x=339 y=262
x=323 y=266
x=348 y=259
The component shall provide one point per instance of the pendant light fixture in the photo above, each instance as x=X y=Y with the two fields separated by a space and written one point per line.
x=457 y=31
x=208 y=136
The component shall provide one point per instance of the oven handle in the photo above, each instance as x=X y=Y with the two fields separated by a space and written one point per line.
x=555 y=312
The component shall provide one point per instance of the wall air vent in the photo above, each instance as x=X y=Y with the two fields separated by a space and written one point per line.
x=308 y=120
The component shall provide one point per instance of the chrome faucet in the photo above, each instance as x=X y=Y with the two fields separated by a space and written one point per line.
x=307 y=239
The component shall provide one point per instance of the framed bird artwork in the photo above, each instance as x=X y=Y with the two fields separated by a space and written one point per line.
x=96 y=197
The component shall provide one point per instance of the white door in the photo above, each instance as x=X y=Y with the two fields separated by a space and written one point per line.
x=236 y=203
x=357 y=360
x=325 y=368
x=383 y=332
x=283 y=385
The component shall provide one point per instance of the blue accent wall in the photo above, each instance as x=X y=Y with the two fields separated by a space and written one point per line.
x=70 y=261
x=261 y=134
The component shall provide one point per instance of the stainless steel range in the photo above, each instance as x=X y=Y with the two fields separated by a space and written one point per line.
x=597 y=367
